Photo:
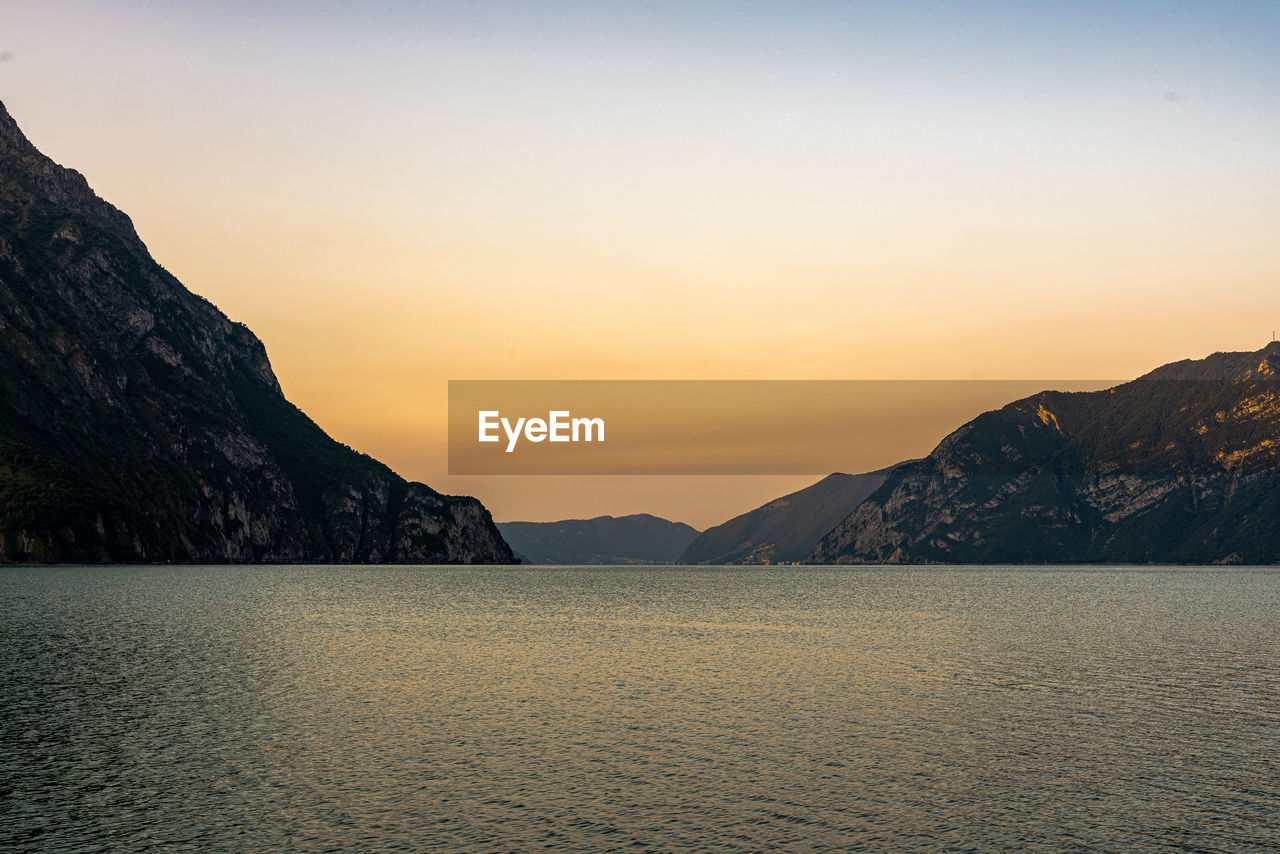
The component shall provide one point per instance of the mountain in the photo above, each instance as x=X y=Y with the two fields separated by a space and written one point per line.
x=605 y=539
x=786 y=529
x=1178 y=466
x=138 y=423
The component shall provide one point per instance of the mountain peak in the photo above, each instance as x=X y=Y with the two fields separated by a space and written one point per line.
x=27 y=168
x=12 y=139
x=139 y=423
x=1183 y=470
x=1228 y=366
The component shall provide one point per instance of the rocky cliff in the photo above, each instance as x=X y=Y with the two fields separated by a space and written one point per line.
x=138 y=423
x=1179 y=466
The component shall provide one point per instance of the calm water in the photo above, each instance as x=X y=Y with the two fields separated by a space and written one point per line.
x=638 y=709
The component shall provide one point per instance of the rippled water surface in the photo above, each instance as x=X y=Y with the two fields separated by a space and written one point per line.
x=639 y=709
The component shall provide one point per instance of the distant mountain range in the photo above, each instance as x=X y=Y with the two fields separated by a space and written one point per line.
x=1179 y=466
x=786 y=529
x=605 y=539
x=138 y=423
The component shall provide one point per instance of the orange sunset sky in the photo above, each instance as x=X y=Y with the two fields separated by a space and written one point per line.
x=393 y=195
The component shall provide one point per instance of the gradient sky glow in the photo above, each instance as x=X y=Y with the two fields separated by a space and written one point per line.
x=395 y=194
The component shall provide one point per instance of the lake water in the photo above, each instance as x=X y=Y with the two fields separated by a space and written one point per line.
x=639 y=709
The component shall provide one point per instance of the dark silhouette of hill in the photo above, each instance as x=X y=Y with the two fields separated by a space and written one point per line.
x=786 y=529
x=640 y=538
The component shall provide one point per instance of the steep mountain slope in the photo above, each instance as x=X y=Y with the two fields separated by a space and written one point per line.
x=787 y=528
x=1178 y=466
x=138 y=423
x=640 y=538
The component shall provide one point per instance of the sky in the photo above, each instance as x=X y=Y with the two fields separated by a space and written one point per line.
x=393 y=195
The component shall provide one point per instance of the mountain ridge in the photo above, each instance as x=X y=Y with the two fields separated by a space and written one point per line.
x=1179 y=465
x=140 y=424
x=785 y=529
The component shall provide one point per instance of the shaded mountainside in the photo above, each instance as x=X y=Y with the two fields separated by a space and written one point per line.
x=138 y=423
x=625 y=539
x=1178 y=466
x=786 y=529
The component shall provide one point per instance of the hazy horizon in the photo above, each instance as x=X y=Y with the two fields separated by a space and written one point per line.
x=397 y=194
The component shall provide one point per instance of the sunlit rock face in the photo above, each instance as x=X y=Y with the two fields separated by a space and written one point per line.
x=1179 y=466
x=139 y=423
